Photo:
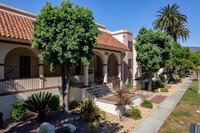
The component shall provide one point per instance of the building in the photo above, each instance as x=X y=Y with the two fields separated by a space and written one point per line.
x=23 y=73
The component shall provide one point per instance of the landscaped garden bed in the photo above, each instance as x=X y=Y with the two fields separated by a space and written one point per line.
x=171 y=88
x=111 y=124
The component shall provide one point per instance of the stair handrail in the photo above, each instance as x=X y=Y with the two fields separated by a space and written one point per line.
x=9 y=72
x=113 y=81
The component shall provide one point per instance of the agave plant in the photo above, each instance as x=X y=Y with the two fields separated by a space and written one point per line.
x=38 y=103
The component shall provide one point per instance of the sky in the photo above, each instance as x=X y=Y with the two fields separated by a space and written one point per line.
x=126 y=14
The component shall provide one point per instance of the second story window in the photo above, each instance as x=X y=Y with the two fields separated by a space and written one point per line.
x=130 y=63
x=130 y=45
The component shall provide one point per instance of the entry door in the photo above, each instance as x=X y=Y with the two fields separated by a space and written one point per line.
x=25 y=66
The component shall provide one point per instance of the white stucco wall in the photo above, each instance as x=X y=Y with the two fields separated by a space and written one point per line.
x=7 y=101
x=110 y=107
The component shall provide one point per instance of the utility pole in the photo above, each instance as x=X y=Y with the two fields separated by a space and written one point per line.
x=198 y=80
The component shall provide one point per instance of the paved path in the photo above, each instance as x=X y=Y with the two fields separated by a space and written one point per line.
x=153 y=123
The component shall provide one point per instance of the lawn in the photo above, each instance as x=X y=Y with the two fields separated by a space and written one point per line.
x=186 y=111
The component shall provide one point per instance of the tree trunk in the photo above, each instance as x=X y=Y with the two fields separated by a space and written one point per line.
x=66 y=76
x=175 y=70
x=67 y=86
x=150 y=81
x=175 y=38
x=63 y=71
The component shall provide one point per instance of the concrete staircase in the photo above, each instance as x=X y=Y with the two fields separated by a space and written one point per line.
x=100 y=91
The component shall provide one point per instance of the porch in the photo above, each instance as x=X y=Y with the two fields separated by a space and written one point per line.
x=21 y=70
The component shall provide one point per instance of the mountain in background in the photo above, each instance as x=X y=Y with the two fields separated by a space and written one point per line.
x=193 y=49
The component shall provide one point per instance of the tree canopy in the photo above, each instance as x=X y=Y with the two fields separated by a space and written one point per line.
x=153 y=49
x=65 y=34
x=171 y=20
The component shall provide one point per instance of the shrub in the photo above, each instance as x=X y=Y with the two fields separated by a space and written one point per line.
x=126 y=86
x=54 y=103
x=135 y=113
x=138 y=85
x=19 y=112
x=171 y=83
x=73 y=104
x=100 y=115
x=182 y=75
x=93 y=126
x=38 y=103
x=163 y=89
x=89 y=111
x=158 y=84
x=156 y=90
x=126 y=90
x=64 y=129
x=147 y=104
x=1 y=120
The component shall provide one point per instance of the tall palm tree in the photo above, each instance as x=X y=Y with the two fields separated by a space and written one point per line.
x=169 y=18
x=180 y=31
x=172 y=21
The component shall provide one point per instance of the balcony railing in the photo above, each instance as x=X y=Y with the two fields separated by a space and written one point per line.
x=28 y=84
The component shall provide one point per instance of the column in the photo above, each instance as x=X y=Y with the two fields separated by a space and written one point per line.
x=119 y=72
x=122 y=66
x=41 y=73
x=2 y=71
x=86 y=76
x=198 y=80
x=105 y=73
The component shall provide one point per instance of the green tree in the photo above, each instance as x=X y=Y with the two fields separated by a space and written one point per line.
x=188 y=64
x=172 y=21
x=177 y=56
x=65 y=34
x=195 y=58
x=153 y=49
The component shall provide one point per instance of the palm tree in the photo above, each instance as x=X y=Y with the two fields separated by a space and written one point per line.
x=180 y=31
x=172 y=21
x=169 y=18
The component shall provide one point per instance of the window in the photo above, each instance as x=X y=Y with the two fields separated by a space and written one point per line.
x=130 y=63
x=130 y=45
x=130 y=81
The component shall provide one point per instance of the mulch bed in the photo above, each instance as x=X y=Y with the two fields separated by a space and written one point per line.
x=114 y=98
x=57 y=119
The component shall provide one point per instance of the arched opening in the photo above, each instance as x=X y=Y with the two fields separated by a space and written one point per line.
x=97 y=64
x=21 y=63
x=112 y=66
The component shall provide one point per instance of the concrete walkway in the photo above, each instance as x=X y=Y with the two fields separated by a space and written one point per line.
x=153 y=123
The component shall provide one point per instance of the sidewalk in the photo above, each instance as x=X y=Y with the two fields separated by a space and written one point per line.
x=153 y=123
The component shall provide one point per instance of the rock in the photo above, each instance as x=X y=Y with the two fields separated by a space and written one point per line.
x=172 y=119
x=47 y=127
x=198 y=111
x=72 y=127
x=181 y=122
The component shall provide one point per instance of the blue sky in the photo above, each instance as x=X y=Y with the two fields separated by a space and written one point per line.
x=126 y=14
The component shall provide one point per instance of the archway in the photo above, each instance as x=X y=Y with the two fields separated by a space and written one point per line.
x=112 y=66
x=21 y=63
x=97 y=64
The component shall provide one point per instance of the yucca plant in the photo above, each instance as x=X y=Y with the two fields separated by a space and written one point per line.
x=38 y=103
x=88 y=109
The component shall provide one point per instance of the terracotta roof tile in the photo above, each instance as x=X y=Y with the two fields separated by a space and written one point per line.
x=15 y=26
x=108 y=40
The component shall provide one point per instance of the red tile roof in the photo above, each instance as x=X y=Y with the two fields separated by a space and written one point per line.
x=107 y=40
x=19 y=27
